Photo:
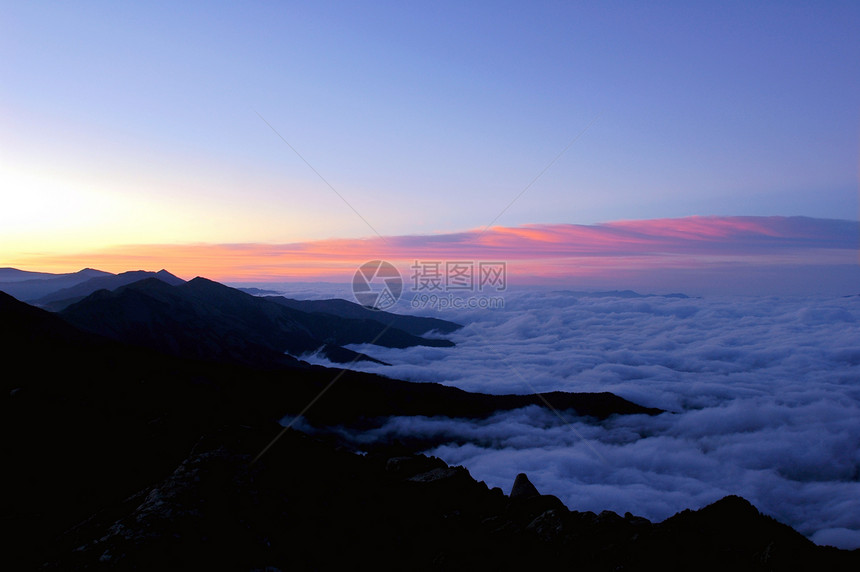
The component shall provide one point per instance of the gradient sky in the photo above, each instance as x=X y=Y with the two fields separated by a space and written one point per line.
x=128 y=124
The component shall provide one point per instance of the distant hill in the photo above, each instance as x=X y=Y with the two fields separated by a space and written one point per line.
x=415 y=325
x=14 y=275
x=258 y=291
x=28 y=286
x=206 y=319
x=63 y=298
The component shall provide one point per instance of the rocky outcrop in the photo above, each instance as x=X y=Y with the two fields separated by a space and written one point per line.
x=523 y=488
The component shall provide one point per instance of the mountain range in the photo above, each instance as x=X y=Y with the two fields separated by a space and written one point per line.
x=205 y=319
x=140 y=429
x=60 y=299
x=29 y=286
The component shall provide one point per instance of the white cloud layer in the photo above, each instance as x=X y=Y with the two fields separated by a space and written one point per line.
x=764 y=395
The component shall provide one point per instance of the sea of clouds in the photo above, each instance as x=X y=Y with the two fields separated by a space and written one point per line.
x=762 y=397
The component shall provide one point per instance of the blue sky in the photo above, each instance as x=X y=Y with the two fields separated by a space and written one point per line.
x=126 y=123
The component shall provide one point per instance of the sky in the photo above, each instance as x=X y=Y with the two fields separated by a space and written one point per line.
x=151 y=129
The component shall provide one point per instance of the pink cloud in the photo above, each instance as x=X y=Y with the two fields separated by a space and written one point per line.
x=533 y=252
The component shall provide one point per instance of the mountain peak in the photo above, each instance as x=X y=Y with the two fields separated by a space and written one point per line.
x=171 y=279
x=198 y=283
x=93 y=272
x=523 y=488
x=147 y=283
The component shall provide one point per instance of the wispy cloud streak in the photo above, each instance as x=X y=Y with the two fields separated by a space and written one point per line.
x=532 y=251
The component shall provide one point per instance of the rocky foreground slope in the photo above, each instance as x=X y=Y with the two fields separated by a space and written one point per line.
x=305 y=505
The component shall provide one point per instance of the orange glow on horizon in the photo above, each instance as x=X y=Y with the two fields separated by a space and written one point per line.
x=533 y=251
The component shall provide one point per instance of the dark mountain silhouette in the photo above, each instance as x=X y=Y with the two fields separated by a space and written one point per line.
x=415 y=325
x=8 y=274
x=154 y=314
x=217 y=510
x=61 y=299
x=86 y=421
x=122 y=457
x=336 y=328
x=29 y=332
x=258 y=291
x=205 y=319
x=14 y=275
x=29 y=286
